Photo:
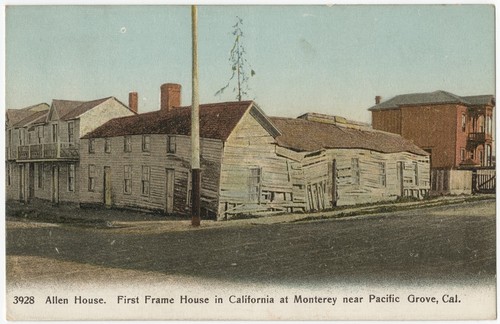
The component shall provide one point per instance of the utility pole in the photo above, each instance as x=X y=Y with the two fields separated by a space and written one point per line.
x=195 y=127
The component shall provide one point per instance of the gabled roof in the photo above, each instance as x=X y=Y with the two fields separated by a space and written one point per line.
x=307 y=136
x=34 y=118
x=14 y=116
x=436 y=97
x=217 y=121
x=70 y=109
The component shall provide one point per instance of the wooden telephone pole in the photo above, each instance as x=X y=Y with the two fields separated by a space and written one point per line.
x=195 y=127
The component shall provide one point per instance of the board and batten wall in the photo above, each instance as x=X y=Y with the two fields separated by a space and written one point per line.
x=159 y=163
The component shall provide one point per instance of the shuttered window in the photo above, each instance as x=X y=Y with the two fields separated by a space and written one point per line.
x=127 y=144
x=171 y=144
x=71 y=132
x=146 y=175
x=107 y=145
x=91 y=145
x=92 y=177
x=415 y=170
x=146 y=143
x=382 y=174
x=127 y=179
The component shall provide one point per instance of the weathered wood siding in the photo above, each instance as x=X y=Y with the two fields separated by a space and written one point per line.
x=250 y=147
x=370 y=187
x=158 y=161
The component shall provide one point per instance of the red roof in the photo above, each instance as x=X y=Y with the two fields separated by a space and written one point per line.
x=216 y=121
x=306 y=136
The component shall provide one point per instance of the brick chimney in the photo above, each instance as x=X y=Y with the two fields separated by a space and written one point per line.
x=133 y=102
x=377 y=99
x=170 y=96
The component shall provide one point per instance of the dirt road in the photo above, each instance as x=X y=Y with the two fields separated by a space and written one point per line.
x=449 y=243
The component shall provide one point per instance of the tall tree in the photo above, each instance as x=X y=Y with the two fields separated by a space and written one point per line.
x=241 y=70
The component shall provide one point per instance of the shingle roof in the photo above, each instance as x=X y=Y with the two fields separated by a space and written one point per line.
x=436 y=97
x=82 y=108
x=14 y=116
x=36 y=117
x=69 y=109
x=306 y=136
x=217 y=121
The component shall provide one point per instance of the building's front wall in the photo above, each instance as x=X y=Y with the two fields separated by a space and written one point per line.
x=435 y=128
x=150 y=168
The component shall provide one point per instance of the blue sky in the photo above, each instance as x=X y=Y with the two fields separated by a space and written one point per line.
x=327 y=59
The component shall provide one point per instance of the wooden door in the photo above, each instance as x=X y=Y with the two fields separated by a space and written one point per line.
x=21 y=183
x=334 y=183
x=108 y=190
x=31 y=184
x=169 y=203
x=55 y=184
x=400 y=179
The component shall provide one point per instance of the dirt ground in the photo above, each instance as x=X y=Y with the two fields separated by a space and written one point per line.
x=446 y=243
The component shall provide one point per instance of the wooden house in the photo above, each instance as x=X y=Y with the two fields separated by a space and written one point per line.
x=251 y=163
x=43 y=146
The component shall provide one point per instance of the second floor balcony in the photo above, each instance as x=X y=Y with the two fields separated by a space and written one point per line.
x=479 y=137
x=50 y=151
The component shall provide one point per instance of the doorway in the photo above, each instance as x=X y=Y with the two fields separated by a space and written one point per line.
x=55 y=184
x=107 y=187
x=169 y=203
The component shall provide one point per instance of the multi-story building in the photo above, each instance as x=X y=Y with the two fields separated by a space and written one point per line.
x=42 y=146
x=457 y=131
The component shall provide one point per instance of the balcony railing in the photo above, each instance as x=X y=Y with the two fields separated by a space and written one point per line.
x=48 y=151
x=479 y=137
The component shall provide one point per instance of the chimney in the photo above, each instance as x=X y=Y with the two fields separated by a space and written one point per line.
x=132 y=101
x=377 y=99
x=170 y=96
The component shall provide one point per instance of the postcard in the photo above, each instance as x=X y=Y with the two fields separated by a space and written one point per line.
x=243 y=162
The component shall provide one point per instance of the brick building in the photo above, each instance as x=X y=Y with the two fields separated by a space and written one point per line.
x=457 y=131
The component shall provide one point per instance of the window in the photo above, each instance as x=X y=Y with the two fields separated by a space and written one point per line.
x=489 y=125
x=481 y=157
x=464 y=122
x=480 y=124
x=40 y=175
x=107 y=145
x=355 y=174
x=462 y=154
x=91 y=145
x=71 y=132
x=54 y=133
x=40 y=134
x=146 y=143
x=127 y=144
x=254 y=184
x=71 y=177
x=127 y=179
x=146 y=173
x=21 y=136
x=10 y=137
x=92 y=177
x=382 y=180
x=171 y=145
